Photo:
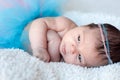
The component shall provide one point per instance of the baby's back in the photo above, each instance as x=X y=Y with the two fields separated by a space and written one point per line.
x=25 y=39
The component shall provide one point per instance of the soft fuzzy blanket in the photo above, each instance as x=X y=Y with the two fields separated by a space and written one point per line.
x=16 y=64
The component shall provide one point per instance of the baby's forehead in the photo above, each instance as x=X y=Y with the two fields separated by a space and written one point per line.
x=92 y=33
x=92 y=37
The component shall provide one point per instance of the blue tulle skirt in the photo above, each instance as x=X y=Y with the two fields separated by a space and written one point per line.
x=16 y=14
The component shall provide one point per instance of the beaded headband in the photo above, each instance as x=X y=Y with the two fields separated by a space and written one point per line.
x=105 y=41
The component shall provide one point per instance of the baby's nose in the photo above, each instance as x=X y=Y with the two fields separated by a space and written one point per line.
x=73 y=49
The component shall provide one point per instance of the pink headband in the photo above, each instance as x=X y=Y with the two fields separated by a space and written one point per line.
x=105 y=41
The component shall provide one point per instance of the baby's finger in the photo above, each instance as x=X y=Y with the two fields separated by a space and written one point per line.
x=43 y=57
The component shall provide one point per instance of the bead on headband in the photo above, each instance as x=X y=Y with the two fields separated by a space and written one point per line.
x=105 y=41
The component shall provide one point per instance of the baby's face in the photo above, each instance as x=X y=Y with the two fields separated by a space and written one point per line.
x=78 y=47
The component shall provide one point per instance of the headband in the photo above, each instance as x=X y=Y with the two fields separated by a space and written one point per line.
x=105 y=41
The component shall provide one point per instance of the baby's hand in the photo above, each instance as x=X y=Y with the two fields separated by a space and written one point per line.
x=42 y=54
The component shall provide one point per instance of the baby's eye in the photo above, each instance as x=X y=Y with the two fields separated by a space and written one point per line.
x=79 y=57
x=79 y=38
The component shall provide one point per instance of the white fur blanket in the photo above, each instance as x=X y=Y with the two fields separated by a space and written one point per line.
x=16 y=64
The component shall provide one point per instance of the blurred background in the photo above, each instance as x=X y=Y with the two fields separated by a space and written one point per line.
x=16 y=14
x=102 y=6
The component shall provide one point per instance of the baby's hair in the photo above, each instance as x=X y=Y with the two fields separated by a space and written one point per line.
x=114 y=41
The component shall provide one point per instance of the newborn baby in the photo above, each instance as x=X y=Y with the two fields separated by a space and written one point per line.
x=54 y=38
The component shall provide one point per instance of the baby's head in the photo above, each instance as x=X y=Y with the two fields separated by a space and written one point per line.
x=84 y=45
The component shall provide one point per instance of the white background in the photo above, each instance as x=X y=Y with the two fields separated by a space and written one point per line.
x=103 y=6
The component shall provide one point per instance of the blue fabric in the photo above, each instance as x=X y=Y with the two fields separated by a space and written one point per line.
x=16 y=14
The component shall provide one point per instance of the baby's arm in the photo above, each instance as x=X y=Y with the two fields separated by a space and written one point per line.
x=38 y=40
x=54 y=41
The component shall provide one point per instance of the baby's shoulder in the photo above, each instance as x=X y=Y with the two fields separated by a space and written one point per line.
x=63 y=19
